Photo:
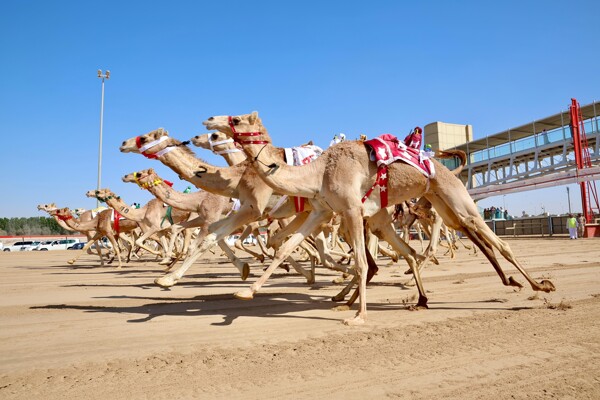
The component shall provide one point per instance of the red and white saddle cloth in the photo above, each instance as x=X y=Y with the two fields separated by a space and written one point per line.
x=387 y=149
x=299 y=156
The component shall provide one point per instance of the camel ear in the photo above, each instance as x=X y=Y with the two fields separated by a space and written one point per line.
x=253 y=117
x=150 y=171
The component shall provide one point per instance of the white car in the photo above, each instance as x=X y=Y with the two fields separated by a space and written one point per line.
x=63 y=244
x=21 y=246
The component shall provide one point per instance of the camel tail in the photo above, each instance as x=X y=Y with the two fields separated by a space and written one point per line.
x=454 y=153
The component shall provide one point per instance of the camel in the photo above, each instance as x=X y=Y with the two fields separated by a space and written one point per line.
x=237 y=181
x=101 y=224
x=151 y=218
x=339 y=179
x=85 y=215
x=208 y=206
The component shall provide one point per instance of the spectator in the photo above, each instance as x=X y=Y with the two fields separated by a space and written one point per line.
x=581 y=224
x=572 y=225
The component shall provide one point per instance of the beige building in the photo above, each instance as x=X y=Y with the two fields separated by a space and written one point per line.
x=442 y=136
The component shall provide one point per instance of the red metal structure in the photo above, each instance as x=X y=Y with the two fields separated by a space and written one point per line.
x=589 y=194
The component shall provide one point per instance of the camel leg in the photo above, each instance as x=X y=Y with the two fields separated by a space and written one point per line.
x=218 y=230
x=276 y=240
x=492 y=240
x=382 y=226
x=243 y=267
x=85 y=249
x=354 y=224
x=315 y=218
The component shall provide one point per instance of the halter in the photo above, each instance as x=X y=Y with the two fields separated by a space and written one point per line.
x=103 y=200
x=237 y=135
x=138 y=143
x=148 y=185
x=64 y=217
x=220 y=142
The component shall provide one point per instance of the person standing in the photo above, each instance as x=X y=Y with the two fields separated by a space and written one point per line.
x=572 y=226
x=581 y=225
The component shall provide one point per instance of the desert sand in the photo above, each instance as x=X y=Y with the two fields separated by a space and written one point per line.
x=86 y=332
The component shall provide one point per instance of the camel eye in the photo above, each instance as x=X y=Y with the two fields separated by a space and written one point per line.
x=142 y=139
x=236 y=120
x=214 y=136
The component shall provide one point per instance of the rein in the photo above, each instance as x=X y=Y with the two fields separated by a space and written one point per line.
x=237 y=135
x=64 y=217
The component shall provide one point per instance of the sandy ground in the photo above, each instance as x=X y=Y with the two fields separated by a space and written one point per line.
x=100 y=333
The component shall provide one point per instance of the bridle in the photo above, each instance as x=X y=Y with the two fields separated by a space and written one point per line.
x=143 y=148
x=237 y=135
x=148 y=185
x=212 y=145
x=104 y=199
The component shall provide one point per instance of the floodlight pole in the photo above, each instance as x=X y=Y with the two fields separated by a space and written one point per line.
x=569 y=199
x=102 y=76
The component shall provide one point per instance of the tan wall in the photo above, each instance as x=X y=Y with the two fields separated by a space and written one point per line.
x=441 y=135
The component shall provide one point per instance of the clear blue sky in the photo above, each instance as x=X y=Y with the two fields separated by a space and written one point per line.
x=311 y=68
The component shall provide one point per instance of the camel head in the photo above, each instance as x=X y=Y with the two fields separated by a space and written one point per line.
x=47 y=207
x=101 y=194
x=139 y=177
x=217 y=142
x=239 y=126
x=137 y=143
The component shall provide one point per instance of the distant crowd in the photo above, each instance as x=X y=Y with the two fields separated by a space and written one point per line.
x=495 y=213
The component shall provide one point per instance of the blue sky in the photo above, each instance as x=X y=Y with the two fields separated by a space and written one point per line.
x=311 y=68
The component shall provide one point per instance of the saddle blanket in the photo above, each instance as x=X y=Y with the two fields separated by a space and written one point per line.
x=300 y=156
x=386 y=149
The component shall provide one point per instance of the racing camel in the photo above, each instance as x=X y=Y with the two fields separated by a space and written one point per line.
x=341 y=178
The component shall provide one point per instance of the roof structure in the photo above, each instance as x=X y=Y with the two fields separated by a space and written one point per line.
x=552 y=122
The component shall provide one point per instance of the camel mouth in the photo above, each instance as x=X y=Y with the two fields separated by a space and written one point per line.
x=209 y=125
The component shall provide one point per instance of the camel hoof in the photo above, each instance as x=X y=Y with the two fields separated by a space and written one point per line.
x=354 y=321
x=514 y=283
x=261 y=258
x=338 y=297
x=344 y=307
x=310 y=281
x=245 y=271
x=547 y=286
x=71 y=262
x=165 y=281
x=244 y=295
x=165 y=261
x=339 y=280
x=408 y=272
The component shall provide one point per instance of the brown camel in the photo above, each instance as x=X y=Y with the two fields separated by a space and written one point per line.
x=102 y=224
x=208 y=206
x=339 y=179
x=83 y=216
x=152 y=218
x=236 y=181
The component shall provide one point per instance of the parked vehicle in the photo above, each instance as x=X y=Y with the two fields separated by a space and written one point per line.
x=76 y=246
x=18 y=245
x=57 y=244
x=31 y=246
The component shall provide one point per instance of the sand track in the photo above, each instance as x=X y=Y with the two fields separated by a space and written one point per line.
x=89 y=332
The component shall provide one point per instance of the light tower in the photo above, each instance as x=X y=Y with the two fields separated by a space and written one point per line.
x=102 y=76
